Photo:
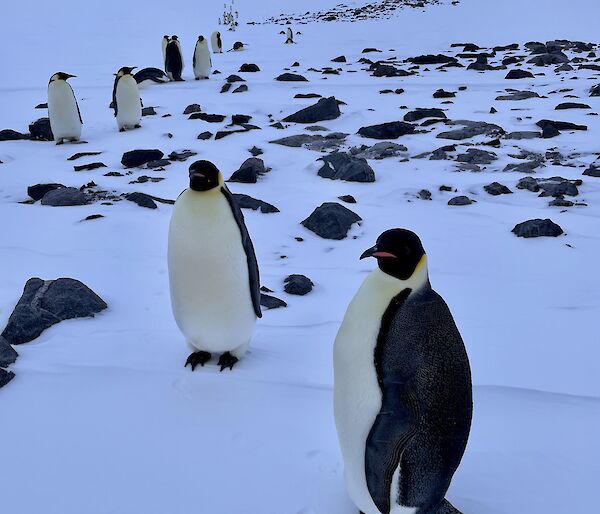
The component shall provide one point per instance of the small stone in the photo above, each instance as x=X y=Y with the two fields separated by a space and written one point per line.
x=205 y=135
x=271 y=302
x=234 y=78
x=241 y=89
x=38 y=191
x=297 y=285
x=537 y=228
x=460 y=200
x=519 y=74
x=89 y=167
x=390 y=130
x=142 y=199
x=495 y=189
x=12 y=135
x=255 y=151
x=324 y=109
x=40 y=130
x=148 y=111
x=249 y=68
x=64 y=197
x=247 y=202
x=291 y=77
x=331 y=221
x=347 y=198
x=249 y=172
x=342 y=166
x=137 y=158
x=192 y=108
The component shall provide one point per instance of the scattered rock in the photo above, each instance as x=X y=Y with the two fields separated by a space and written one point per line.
x=249 y=68
x=47 y=302
x=8 y=354
x=331 y=221
x=495 y=189
x=247 y=202
x=347 y=198
x=592 y=171
x=518 y=95
x=137 y=158
x=209 y=118
x=297 y=285
x=553 y=186
x=291 y=77
x=148 y=111
x=519 y=135
x=476 y=156
x=471 y=129
x=11 y=135
x=537 y=228
x=38 y=191
x=192 y=108
x=40 y=130
x=571 y=105
x=440 y=93
x=5 y=377
x=249 y=172
x=255 y=151
x=432 y=59
x=313 y=141
x=324 y=109
x=142 y=199
x=420 y=114
x=519 y=74
x=390 y=130
x=182 y=156
x=378 y=151
x=89 y=167
x=205 y=135
x=341 y=58
x=76 y=156
x=234 y=78
x=460 y=200
x=342 y=166
x=524 y=167
x=271 y=302
x=241 y=89
x=64 y=197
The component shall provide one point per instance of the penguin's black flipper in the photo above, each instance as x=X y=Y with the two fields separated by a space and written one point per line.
x=78 y=111
x=114 y=96
x=253 y=272
x=393 y=429
x=448 y=508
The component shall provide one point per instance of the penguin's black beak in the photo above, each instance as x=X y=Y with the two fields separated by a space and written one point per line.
x=375 y=252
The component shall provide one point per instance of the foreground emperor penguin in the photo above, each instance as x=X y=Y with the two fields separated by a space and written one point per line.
x=216 y=43
x=213 y=273
x=402 y=386
x=126 y=100
x=63 y=111
x=201 y=60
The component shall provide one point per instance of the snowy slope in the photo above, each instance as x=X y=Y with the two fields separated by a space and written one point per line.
x=103 y=418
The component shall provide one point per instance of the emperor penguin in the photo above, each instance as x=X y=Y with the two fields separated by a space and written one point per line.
x=216 y=43
x=402 y=386
x=63 y=111
x=213 y=272
x=126 y=100
x=164 y=42
x=201 y=61
x=174 y=59
x=289 y=36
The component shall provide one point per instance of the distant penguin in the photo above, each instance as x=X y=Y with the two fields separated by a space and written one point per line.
x=216 y=43
x=164 y=42
x=289 y=37
x=174 y=59
x=402 y=386
x=63 y=111
x=176 y=39
x=126 y=100
x=214 y=279
x=201 y=61
x=238 y=46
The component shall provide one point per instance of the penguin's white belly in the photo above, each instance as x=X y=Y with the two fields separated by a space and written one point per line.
x=203 y=64
x=129 y=107
x=208 y=271
x=63 y=112
x=214 y=42
x=357 y=396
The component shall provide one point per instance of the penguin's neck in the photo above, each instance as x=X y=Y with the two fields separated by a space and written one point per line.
x=417 y=280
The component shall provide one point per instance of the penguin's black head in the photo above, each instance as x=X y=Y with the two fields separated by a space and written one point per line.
x=61 y=75
x=174 y=37
x=200 y=38
x=125 y=70
x=398 y=252
x=204 y=176
x=238 y=45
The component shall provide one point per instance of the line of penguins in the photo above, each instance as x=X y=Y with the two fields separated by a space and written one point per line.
x=402 y=380
x=63 y=111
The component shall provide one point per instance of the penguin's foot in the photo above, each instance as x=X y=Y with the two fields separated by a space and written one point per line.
x=122 y=129
x=227 y=361
x=197 y=78
x=60 y=142
x=137 y=126
x=198 y=358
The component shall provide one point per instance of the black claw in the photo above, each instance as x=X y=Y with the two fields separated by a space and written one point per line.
x=197 y=358
x=227 y=361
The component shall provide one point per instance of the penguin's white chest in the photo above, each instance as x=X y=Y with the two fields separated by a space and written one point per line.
x=357 y=396
x=202 y=61
x=62 y=111
x=208 y=271
x=129 y=106
x=216 y=44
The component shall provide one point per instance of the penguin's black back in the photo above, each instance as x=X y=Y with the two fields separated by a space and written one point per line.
x=424 y=374
x=174 y=63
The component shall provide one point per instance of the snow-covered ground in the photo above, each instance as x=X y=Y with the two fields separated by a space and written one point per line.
x=103 y=418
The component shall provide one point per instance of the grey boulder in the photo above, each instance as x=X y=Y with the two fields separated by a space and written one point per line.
x=342 y=166
x=298 y=285
x=537 y=228
x=324 y=109
x=64 y=197
x=331 y=221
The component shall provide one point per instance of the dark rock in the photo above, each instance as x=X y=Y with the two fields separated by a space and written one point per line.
x=548 y=59
x=249 y=172
x=370 y=50
x=89 y=167
x=537 y=228
x=432 y=59
x=142 y=199
x=518 y=95
x=425 y=194
x=420 y=114
x=559 y=125
x=234 y=78
x=241 y=89
x=47 y=302
x=11 y=135
x=255 y=151
x=64 y=197
x=41 y=106
x=160 y=163
x=148 y=111
x=347 y=198
x=495 y=189
x=553 y=186
x=524 y=167
x=595 y=91
x=249 y=68
x=592 y=171
x=240 y=119
x=341 y=58
x=331 y=221
x=387 y=70
x=291 y=77
x=561 y=202
x=307 y=95
x=78 y=155
x=93 y=217
x=440 y=93
x=298 y=285
x=226 y=87
x=192 y=108
x=460 y=200
x=471 y=129
x=210 y=118
x=182 y=156
x=271 y=302
x=476 y=156
x=224 y=133
x=205 y=135
x=378 y=151
x=445 y=188
x=571 y=105
x=247 y=202
x=519 y=74
x=390 y=130
x=8 y=354
x=324 y=109
x=5 y=377
x=137 y=158
x=342 y=166
x=313 y=141
x=519 y=135
x=38 y=191
x=40 y=130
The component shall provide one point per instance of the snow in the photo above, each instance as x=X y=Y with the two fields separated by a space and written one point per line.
x=103 y=418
